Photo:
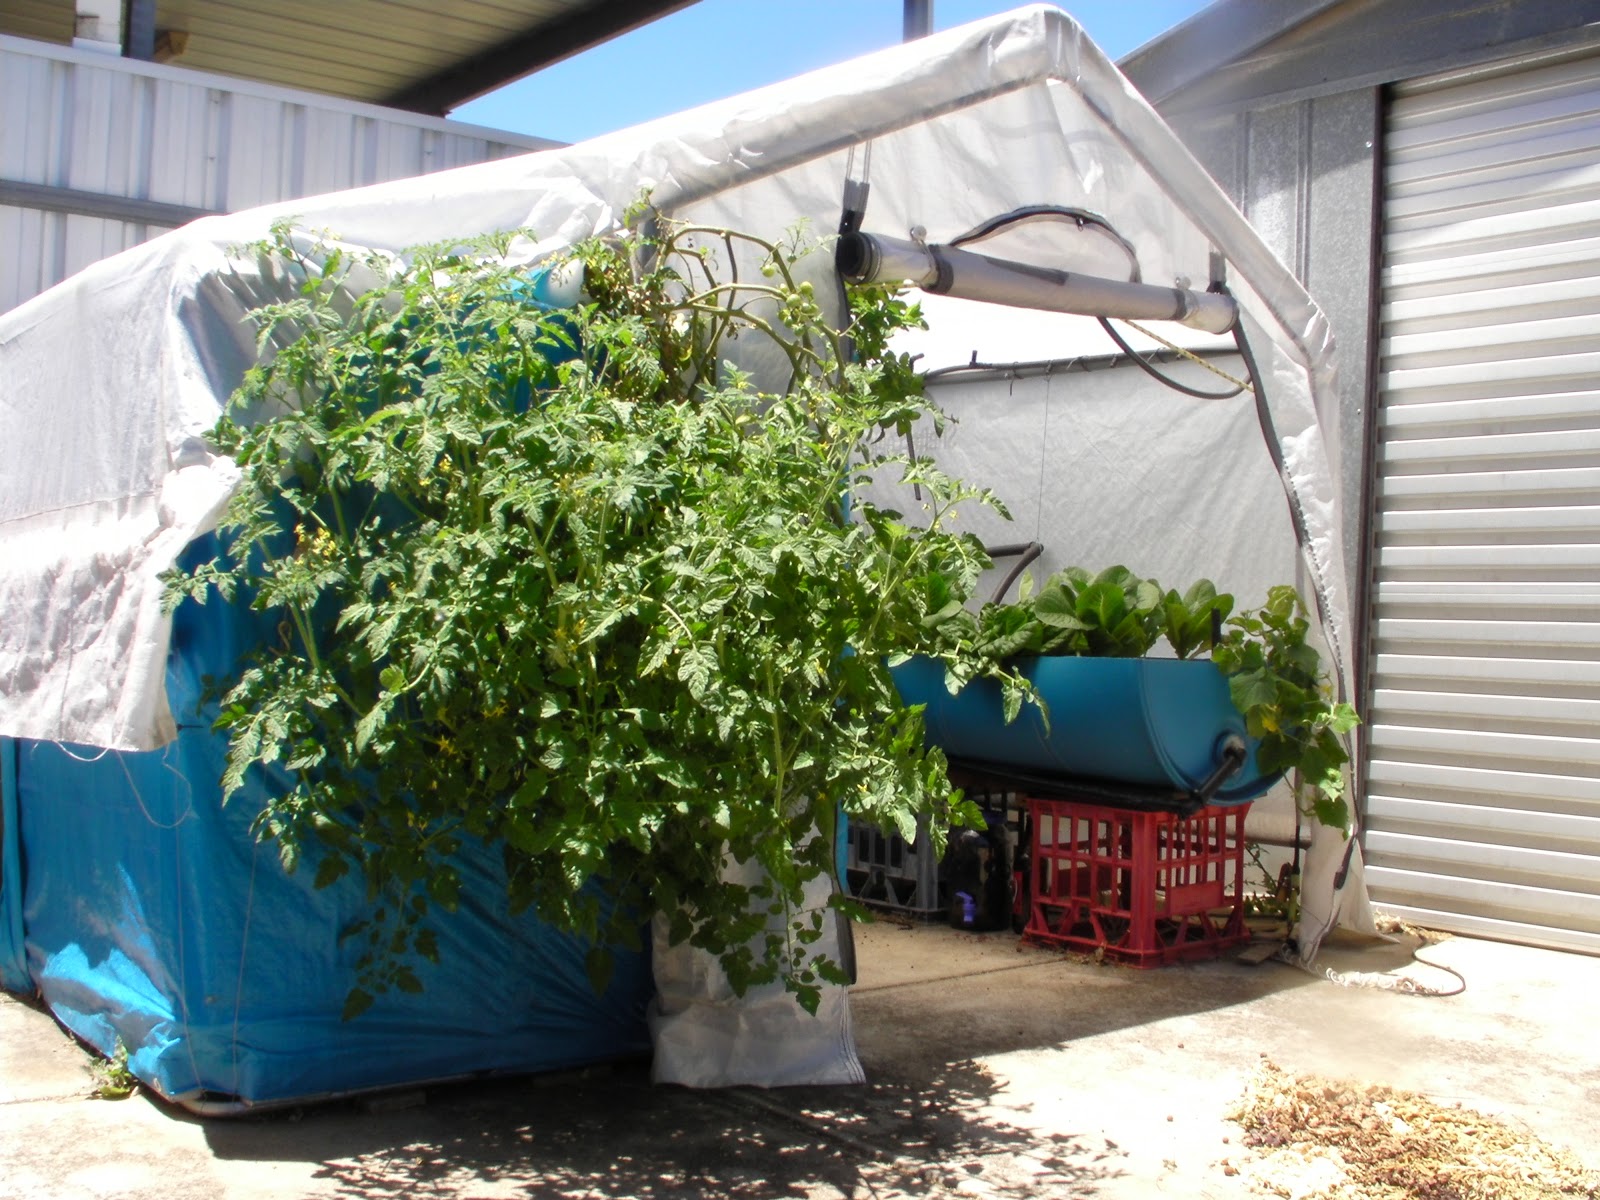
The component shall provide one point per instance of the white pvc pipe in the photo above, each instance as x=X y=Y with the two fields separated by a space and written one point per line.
x=946 y=270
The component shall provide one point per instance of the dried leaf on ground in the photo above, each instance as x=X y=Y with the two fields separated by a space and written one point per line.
x=1323 y=1139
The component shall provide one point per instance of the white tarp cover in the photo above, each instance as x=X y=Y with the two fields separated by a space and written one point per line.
x=109 y=381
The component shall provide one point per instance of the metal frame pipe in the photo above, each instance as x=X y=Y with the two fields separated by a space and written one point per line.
x=918 y=19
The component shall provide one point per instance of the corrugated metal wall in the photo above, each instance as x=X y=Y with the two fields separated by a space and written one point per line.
x=1305 y=174
x=1484 y=782
x=82 y=131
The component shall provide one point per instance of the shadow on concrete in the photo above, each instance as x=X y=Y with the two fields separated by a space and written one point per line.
x=613 y=1134
x=932 y=1003
x=1013 y=996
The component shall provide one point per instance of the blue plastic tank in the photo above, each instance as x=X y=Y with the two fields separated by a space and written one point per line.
x=1143 y=722
x=151 y=916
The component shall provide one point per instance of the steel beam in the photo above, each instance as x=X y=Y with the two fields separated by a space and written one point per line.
x=528 y=52
x=48 y=198
x=139 y=30
x=918 y=19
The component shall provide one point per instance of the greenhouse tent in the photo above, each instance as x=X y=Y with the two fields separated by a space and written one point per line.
x=111 y=380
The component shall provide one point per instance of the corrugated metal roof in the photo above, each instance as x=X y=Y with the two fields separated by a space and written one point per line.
x=1224 y=32
x=420 y=55
x=1239 y=53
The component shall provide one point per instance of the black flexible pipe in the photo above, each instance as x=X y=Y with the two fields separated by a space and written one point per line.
x=1028 y=551
x=1032 y=212
x=1157 y=375
x=1270 y=434
x=1234 y=753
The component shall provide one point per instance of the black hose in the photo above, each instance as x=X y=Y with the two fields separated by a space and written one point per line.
x=1269 y=434
x=1157 y=375
x=1416 y=956
x=1028 y=551
x=1078 y=216
x=1319 y=587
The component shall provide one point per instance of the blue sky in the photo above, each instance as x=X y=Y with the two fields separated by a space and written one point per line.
x=718 y=48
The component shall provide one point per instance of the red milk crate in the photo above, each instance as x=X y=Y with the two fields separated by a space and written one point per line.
x=1145 y=888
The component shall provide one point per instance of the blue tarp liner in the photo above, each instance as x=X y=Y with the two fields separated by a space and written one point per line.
x=13 y=959
x=149 y=915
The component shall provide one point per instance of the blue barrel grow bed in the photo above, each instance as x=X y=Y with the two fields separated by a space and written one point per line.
x=1153 y=732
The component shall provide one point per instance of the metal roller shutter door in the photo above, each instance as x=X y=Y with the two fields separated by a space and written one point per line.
x=1483 y=778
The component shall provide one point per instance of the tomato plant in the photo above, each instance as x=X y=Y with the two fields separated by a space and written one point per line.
x=569 y=583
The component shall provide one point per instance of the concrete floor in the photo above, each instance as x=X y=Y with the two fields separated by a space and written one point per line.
x=995 y=1069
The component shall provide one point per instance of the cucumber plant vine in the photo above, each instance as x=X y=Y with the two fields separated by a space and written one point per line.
x=1276 y=680
x=570 y=584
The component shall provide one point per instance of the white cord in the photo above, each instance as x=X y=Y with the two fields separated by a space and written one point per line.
x=138 y=797
x=61 y=746
x=1382 y=980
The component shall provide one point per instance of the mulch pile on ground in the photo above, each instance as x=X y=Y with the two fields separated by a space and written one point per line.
x=1324 y=1139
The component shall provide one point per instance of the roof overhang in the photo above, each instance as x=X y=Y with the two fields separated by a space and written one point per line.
x=1254 y=53
x=418 y=55
x=1221 y=33
x=578 y=27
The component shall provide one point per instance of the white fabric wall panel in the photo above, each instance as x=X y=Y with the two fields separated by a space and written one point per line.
x=1484 y=739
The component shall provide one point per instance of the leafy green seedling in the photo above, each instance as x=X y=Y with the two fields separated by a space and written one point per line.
x=1191 y=622
x=112 y=1078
